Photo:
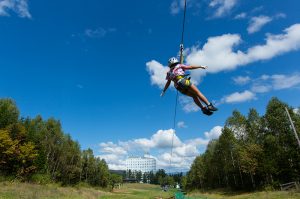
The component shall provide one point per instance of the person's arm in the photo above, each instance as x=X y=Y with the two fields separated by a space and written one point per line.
x=194 y=67
x=165 y=88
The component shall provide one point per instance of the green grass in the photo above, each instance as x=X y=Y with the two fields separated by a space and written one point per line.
x=252 y=195
x=33 y=191
x=139 y=191
x=18 y=190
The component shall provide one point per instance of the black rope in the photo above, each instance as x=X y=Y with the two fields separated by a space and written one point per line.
x=183 y=23
x=174 y=125
x=176 y=101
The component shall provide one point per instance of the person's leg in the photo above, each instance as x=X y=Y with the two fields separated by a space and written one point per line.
x=195 y=90
x=197 y=101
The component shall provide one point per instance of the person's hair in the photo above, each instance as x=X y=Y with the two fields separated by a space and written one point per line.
x=173 y=65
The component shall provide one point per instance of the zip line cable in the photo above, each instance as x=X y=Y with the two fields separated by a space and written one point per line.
x=176 y=101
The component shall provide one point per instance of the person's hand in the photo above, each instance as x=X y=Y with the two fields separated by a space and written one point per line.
x=162 y=94
x=204 y=67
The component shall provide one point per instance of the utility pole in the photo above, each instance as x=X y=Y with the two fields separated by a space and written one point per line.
x=293 y=127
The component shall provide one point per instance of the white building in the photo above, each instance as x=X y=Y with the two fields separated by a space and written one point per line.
x=143 y=164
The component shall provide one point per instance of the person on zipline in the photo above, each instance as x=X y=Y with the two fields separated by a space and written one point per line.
x=182 y=83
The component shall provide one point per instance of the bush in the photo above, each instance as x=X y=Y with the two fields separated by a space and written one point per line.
x=4 y=178
x=41 y=178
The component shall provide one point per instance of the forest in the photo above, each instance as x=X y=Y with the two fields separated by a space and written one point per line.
x=38 y=150
x=253 y=152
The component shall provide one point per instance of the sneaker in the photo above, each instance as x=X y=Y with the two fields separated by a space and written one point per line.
x=211 y=107
x=206 y=111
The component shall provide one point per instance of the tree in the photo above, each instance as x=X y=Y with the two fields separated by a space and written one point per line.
x=9 y=113
x=114 y=180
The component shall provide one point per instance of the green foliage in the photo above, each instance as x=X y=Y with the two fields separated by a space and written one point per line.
x=9 y=113
x=252 y=152
x=38 y=150
x=114 y=180
x=39 y=178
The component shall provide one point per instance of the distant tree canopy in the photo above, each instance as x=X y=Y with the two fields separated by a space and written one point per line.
x=252 y=152
x=31 y=147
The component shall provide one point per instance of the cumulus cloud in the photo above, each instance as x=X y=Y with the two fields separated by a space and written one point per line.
x=157 y=73
x=181 y=124
x=160 y=143
x=256 y=23
x=219 y=55
x=267 y=83
x=238 y=97
x=214 y=133
x=222 y=7
x=263 y=84
x=20 y=7
x=188 y=104
x=240 y=80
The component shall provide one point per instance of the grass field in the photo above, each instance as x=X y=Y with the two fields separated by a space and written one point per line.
x=255 y=195
x=32 y=191
x=128 y=191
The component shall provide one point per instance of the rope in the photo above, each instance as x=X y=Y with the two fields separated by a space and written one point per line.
x=176 y=101
x=174 y=125
x=183 y=22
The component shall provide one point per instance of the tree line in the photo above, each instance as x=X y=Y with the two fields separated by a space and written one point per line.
x=160 y=177
x=38 y=150
x=253 y=152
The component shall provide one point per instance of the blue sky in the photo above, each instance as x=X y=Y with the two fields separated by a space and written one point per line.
x=99 y=66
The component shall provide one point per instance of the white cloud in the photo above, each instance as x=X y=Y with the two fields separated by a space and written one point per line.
x=238 y=97
x=98 y=32
x=280 y=15
x=296 y=111
x=114 y=161
x=219 y=55
x=178 y=5
x=267 y=83
x=175 y=7
x=188 y=104
x=240 y=80
x=160 y=143
x=283 y=81
x=181 y=124
x=256 y=23
x=263 y=84
x=157 y=73
x=20 y=7
x=164 y=139
x=223 y=7
x=242 y=15
x=112 y=148
x=257 y=88
x=214 y=133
